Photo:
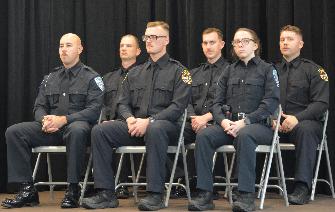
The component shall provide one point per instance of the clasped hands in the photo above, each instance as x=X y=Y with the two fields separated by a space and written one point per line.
x=137 y=126
x=288 y=124
x=232 y=127
x=52 y=123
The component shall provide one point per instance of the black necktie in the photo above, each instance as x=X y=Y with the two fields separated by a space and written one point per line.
x=63 y=105
x=283 y=85
x=146 y=101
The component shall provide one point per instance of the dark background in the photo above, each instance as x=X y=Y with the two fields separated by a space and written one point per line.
x=30 y=32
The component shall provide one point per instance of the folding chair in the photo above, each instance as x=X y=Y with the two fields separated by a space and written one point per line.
x=180 y=148
x=321 y=147
x=269 y=150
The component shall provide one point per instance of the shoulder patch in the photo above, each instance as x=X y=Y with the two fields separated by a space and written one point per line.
x=275 y=77
x=186 y=77
x=323 y=74
x=100 y=83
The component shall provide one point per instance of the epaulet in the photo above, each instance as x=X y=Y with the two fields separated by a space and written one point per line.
x=307 y=61
x=178 y=63
x=57 y=68
x=89 y=69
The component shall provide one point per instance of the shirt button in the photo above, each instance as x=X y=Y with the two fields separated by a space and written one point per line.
x=239 y=107
x=242 y=81
x=205 y=106
x=206 y=84
x=64 y=94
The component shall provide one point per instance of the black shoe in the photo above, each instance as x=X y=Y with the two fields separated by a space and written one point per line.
x=215 y=195
x=300 y=195
x=235 y=194
x=71 y=197
x=203 y=202
x=177 y=192
x=245 y=202
x=103 y=199
x=152 y=202
x=122 y=192
x=27 y=196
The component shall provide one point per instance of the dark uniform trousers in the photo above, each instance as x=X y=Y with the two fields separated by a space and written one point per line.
x=306 y=136
x=113 y=134
x=22 y=137
x=248 y=138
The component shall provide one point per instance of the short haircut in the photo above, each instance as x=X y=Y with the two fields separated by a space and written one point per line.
x=212 y=29
x=292 y=28
x=135 y=38
x=162 y=24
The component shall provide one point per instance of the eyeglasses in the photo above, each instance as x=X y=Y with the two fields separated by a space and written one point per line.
x=152 y=37
x=243 y=41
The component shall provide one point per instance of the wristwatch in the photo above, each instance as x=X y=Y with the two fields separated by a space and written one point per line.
x=247 y=121
x=151 y=120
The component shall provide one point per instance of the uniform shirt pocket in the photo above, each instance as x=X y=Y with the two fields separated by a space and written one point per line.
x=162 y=95
x=234 y=87
x=298 y=91
x=254 y=88
x=77 y=98
x=110 y=94
x=52 y=94
x=136 y=94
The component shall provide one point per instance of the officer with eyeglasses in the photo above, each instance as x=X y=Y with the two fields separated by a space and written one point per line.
x=304 y=96
x=153 y=98
x=246 y=96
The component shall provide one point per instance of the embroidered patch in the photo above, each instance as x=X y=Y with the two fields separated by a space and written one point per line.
x=186 y=77
x=275 y=77
x=323 y=74
x=100 y=83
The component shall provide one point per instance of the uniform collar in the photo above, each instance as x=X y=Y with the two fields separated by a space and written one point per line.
x=295 y=62
x=74 y=69
x=255 y=60
x=218 y=63
x=161 y=62
x=125 y=70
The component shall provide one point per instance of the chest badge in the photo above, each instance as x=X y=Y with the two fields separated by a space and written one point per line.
x=186 y=77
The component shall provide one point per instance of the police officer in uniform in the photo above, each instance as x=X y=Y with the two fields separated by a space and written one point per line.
x=304 y=96
x=68 y=104
x=204 y=80
x=129 y=50
x=153 y=98
x=247 y=94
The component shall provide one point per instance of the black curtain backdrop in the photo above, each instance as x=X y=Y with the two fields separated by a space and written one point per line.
x=30 y=32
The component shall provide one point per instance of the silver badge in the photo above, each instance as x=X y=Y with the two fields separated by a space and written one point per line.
x=100 y=83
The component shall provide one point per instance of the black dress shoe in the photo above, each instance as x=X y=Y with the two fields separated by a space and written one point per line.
x=203 y=202
x=152 y=202
x=27 y=196
x=245 y=202
x=103 y=199
x=122 y=192
x=300 y=195
x=71 y=197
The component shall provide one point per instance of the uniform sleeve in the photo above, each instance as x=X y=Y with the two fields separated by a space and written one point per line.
x=41 y=106
x=220 y=97
x=270 y=101
x=180 y=100
x=319 y=97
x=124 y=102
x=93 y=106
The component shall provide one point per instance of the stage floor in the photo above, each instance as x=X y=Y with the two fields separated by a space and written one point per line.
x=273 y=202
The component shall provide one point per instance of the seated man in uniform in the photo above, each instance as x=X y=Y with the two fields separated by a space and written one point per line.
x=153 y=98
x=304 y=96
x=129 y=50
x=68 y=104
x=247 y=94
x=204 y=80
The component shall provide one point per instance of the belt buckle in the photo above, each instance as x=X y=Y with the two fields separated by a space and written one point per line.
x=240 y=116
